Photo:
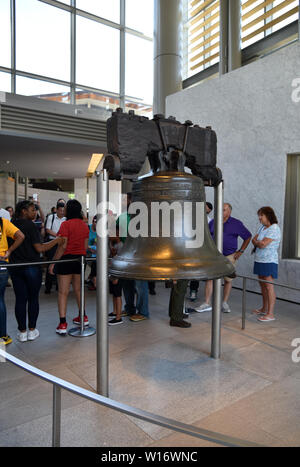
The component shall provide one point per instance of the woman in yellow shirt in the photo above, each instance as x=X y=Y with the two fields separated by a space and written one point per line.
x=7 y=229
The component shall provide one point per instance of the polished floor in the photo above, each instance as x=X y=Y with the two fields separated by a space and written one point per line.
x=252 y=392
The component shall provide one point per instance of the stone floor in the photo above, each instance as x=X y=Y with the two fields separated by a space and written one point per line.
x=252 y=392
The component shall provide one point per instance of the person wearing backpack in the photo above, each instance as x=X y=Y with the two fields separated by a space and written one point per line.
x=53 y=224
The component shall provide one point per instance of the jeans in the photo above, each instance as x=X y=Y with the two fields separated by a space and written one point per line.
x=142 y=298
x=27 y=282
x=3 y=282
x=49 y=277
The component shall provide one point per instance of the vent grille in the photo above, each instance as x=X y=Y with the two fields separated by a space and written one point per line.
x=49 y=124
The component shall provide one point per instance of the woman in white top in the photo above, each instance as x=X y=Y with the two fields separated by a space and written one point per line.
x=266 y=243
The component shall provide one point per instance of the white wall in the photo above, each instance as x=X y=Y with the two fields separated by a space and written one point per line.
x=257 y=125
x=47 y=198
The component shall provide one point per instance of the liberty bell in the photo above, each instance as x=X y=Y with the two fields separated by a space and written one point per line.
x=168 y=235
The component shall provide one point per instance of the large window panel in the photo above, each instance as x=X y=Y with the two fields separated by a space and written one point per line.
x=97 y=55
x=43 y=39
x=291 y=231
x=140 y=15
x=5 y=82
x=42 y=89
x=96 y=100
x=108 y=9
x=5 y=40
x=139 y=69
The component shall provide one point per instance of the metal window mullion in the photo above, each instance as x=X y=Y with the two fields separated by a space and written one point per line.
x=73 y=52
x=122 y=52
x=13 y=44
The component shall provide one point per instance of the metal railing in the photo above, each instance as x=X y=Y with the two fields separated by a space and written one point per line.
x=59 y=384
x=244 y=291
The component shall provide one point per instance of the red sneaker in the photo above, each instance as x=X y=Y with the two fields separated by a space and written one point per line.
x=62 y=328
x=77 y=320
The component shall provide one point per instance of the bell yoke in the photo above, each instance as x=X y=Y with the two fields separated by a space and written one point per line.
x=168 y=236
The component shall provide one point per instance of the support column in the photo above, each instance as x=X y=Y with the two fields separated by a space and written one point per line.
x=102 y=288
x=217 y=283
x=167 y=52
x=16 y=188
x=234 y=35
x=223 y=65
x=122 y=54
x=26 y=188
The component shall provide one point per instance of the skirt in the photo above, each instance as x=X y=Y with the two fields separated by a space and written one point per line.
x=266 y=269
x=66 y=269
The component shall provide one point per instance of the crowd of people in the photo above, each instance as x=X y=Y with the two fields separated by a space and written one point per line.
x=27 y=236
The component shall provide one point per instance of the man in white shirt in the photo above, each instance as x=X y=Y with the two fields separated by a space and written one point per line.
x=53 y=224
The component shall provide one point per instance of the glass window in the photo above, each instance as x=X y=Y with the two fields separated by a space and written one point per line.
x=140 y=15
x=103 y=8
x=5 y=41
x=43 y=39
x=96 y=100
x=139 y=109
x=98 y=55
x=5 y=82
x=291 y=231
x=42 y=89
x=139 y=69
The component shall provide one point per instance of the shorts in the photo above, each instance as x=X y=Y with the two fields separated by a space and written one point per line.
x=266 y=269
x=115 y=289
x=66 y=269
x=233 y=261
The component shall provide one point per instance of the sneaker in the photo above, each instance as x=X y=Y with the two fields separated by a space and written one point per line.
x=62 y=328
x=180 y=324
x=91 y=287
x=22 y=336
x=112 y=315
x=204 y=307
x=137 y=318
x=225 y=308
x=32 y=335
x=193 y=295
x=115 y=321
x=77 y=321
x=5 y=340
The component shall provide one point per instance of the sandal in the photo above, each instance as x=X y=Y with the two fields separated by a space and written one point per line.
x=265 y=319
x=258 y=312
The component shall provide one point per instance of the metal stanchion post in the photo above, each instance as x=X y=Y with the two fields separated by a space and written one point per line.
x=56 y=416
x=102 y=288
x=244 y=304
x=83 y=331
x=217 y=284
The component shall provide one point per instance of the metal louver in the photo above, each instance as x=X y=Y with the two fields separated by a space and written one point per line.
x=36 y=122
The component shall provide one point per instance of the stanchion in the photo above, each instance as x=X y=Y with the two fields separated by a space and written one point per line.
x=82 y=331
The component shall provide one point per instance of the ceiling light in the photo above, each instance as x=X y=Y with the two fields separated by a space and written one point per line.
x=94 y=162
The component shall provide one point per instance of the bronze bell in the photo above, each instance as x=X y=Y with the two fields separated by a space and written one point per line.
x=168 y=251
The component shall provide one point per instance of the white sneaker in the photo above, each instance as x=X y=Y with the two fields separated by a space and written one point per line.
x=204 y=307
x=22 y=336
x=225 y=308
x=32 y=335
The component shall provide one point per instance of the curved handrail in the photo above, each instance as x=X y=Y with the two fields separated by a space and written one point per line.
x=168 y=423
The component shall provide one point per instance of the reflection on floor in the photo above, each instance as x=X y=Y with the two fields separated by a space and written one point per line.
x=251 y=393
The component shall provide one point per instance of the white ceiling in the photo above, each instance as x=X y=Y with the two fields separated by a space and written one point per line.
x=38 y=158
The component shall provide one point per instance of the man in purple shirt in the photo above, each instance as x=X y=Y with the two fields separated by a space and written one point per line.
x=233 y=229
